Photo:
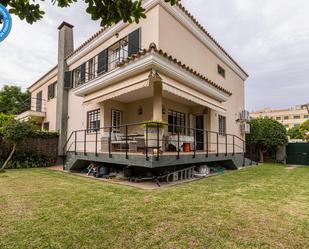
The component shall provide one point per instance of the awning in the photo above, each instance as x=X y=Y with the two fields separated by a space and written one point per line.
x=109 y=93
x=193 y=96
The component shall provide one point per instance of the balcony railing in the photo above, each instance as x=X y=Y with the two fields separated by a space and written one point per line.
x=153 y=139
x=93 y=68
x=33 y=104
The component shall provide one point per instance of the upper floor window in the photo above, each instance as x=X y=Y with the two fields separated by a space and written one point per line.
x=107 y=59
x=118 y=52
x=91 y=69
x=51 y=91
x=116 y=120
x=79 y=75
x=296 y=116
x=176 y=122
x=278 y=118
x=286 y=117
x=93 y=120
x=39 y=100
x=222 y=125
x=221 y=71
x=306 y=116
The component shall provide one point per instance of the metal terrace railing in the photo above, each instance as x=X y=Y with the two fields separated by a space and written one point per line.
x=153 y=139
x=102 y=63
x=33 y=104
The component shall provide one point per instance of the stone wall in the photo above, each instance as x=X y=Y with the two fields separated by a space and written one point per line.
x=40 y=146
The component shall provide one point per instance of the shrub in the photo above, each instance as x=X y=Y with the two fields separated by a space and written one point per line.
x=4 y=118
x=266 y=135
x=28 y=160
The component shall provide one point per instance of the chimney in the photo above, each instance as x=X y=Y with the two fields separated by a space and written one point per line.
x=65 y=47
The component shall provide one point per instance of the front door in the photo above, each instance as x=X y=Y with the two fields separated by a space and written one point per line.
x=199 y=125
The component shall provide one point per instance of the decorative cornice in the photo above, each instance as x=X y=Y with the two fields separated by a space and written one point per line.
x=102 y=35
x=49 y=73
x=153 y=49
x=155 y=59
x=182 y=8
x=65 y=24
x=182 y=15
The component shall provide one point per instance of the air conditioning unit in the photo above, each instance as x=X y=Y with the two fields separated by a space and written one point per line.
x=245 y=128
x=244 y=115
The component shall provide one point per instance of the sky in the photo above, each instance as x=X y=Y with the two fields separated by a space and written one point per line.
x=268 y=38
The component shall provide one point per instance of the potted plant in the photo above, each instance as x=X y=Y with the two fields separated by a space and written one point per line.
x=151 y=130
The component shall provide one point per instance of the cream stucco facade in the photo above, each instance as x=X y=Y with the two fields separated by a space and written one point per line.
x=290 y=118
x=175 y=70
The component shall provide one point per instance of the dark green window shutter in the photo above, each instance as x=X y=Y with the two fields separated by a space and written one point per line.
x=134 y=42
x=39 y=101
x=50 y=92
x=83 y=73
x=103 y=62
x=67 y=79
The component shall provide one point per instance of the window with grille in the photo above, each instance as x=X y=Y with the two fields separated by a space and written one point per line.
x=297 y=117
x=278 y=118
x=93 y=120
x=222 y=125
x=286 y=117
x=176 y=122
x=116 y=120
x=306 y=116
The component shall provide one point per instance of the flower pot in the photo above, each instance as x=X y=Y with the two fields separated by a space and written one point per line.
x=152 y=134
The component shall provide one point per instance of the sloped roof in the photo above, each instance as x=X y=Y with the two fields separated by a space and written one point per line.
x=182 y=8
x=153 y=49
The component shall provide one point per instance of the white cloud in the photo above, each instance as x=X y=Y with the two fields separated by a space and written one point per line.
x=269 y=38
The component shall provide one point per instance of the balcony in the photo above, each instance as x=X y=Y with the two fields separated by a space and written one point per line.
x=153 y=145
x=34 y=111
x=102 y=63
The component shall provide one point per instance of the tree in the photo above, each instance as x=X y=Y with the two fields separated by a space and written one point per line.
x=4 y=118
x=108 y=11
x=13 y=100
x=304 y=129
x=14 y=132
x=295 y=133
x=266 y=135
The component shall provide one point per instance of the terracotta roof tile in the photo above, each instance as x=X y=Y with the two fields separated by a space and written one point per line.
x=87 y=41
x=208 y=34
x=179 y=5
x=153 y=49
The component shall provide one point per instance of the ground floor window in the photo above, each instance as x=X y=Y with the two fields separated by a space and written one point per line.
x=116 y=120
x=222 y=125
x=46 y=126
x=176 y=122
x=93 y=120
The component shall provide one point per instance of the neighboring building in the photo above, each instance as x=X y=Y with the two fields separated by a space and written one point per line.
x=290 y=118
x=166 y=68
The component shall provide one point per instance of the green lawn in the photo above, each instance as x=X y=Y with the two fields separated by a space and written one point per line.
x=260 y=207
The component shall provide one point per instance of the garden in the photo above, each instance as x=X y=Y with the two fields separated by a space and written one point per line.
x=264 y=206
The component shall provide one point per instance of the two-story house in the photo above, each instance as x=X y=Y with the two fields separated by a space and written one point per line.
x=166 y=69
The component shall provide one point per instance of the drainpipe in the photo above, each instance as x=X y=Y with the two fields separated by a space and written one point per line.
x=65 y=47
